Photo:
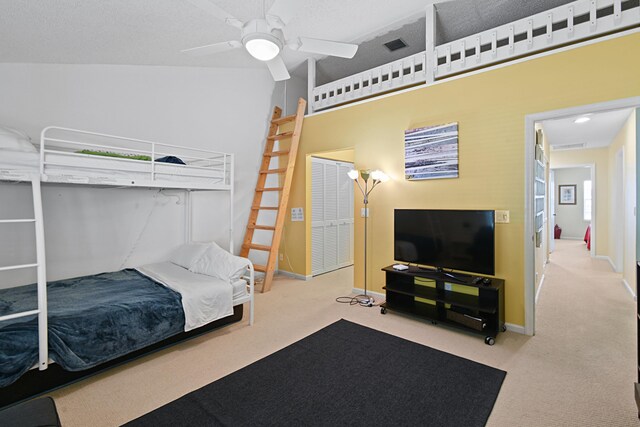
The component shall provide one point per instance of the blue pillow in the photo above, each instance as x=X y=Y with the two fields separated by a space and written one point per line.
x=171 y=159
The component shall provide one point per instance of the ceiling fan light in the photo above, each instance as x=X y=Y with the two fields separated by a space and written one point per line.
x=263 y=47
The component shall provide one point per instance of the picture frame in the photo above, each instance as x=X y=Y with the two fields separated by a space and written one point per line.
x=567 y=194
x=431 y=152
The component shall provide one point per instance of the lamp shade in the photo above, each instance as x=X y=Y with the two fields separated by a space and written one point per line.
x=263 y=47
x=378 y=175
x=353 y=174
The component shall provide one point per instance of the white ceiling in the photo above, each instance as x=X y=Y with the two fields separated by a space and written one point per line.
x=152 y=32
x=600 y=131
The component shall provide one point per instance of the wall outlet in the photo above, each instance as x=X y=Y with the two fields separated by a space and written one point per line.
x=364 y=212
x=281 y=257
x=502 y=217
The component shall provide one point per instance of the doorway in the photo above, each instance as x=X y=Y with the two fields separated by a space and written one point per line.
x=331 y=215
x=603 y=208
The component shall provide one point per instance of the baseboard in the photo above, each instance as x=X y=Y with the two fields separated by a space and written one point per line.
x=571 y=238
x=294 y=275
x=518 y=329
x=606 y=258
x=539 y=287
x=626 y=285
x=379 y=297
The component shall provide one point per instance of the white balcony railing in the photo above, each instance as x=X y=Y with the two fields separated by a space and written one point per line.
x=563 y=25
x=392 y=76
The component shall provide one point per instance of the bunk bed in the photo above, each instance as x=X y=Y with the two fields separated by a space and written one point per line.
x=201 y=287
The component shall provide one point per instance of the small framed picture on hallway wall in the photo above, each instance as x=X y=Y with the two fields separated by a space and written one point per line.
x=567 y=194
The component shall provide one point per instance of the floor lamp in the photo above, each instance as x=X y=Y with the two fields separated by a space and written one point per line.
x=377 y=176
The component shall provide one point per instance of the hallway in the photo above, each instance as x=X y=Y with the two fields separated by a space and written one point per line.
x=585 y=333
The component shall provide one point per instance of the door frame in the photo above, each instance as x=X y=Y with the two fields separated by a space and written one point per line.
x=619 y=221
x=529 y=215
x=319 y=159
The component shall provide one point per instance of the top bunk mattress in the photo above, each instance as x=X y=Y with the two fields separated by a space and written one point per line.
x=77 y=168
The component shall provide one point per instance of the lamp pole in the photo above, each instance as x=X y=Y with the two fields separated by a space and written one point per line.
x=377 y=177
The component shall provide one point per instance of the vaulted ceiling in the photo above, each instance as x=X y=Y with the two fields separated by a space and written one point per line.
x=153 y=32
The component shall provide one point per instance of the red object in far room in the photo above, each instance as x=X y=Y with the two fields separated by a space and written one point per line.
x=557 y=232
x=587 y=237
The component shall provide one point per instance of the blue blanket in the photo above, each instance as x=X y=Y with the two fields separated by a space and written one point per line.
x=92 y=319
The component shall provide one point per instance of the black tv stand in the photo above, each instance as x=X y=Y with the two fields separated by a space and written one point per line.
x=459 y=300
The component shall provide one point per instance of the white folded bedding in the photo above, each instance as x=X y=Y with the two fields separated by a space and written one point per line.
x=204 y=298
x=11 y=160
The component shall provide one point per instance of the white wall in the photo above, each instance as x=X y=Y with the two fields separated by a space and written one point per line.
x=625 y=142
x=570 y=217
x=89 y=230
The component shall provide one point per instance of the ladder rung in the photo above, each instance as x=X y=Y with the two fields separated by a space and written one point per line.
x=269 y=188
x=280 y=136
x=18 y=315
x=264 y=208
x=258 y=247
x=260 y=268
x=285 y=119
x=17 y=267
x=262 y=227
x=10 y=221
x=281 y=170
x=277 y=153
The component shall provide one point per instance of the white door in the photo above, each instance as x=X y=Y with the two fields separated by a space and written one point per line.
x=331 y=215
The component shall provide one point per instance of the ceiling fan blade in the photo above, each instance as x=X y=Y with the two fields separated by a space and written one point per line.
x=210 y=49
x=217 y=12
x=327 y=47
x=278 y=69
x=283 y=10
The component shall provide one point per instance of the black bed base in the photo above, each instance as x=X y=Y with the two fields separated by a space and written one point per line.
x=36 y=382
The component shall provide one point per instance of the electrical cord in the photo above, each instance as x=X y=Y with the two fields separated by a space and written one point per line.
x=357 y=300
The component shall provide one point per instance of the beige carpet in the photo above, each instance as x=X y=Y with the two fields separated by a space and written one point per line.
x=578 y=370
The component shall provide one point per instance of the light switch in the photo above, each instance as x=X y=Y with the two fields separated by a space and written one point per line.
x=297 y=214
x=364 y=212
x=502 y=217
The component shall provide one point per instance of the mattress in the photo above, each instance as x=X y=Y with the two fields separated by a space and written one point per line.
x=92 y=319
x=239 y=289
x=89 y=169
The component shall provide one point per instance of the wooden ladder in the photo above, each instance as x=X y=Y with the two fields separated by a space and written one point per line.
x=284 y=187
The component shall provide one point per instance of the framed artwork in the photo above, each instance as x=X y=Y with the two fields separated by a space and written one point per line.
x=567 y=194
x=431 y=152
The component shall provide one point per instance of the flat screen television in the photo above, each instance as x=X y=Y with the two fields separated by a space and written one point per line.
x=446 y=239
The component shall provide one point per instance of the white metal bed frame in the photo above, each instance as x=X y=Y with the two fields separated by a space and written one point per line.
x=58 y=154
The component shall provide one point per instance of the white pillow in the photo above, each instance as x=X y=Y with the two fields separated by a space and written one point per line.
x=187 y=254
x=219 y=263
x=12 y=139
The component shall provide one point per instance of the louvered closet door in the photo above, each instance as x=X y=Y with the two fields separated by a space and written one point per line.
x=332 y=215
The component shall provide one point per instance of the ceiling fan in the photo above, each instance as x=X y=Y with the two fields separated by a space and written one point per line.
x=264 y=37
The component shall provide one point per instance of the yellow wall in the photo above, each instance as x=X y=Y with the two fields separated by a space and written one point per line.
x=626 y=140
x=490 y=108
x=600 y=158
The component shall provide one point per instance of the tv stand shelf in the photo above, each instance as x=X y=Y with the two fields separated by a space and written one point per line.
x=452 y=299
